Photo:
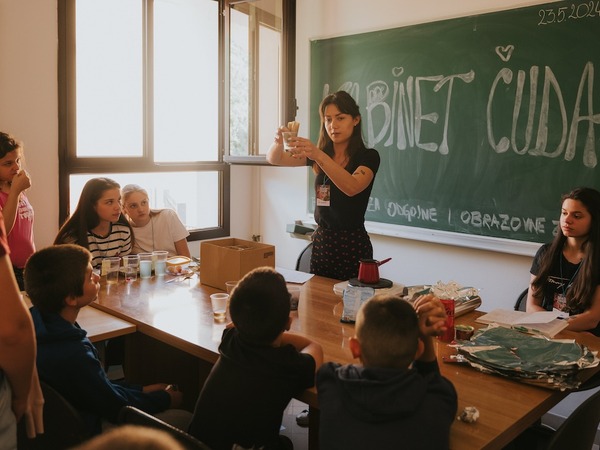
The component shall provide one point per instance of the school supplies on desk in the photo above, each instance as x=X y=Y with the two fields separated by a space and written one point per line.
x=540 y=322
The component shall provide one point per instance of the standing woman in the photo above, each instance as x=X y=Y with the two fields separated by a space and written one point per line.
x=565 y=274
x=154 y=229
x=14 y=205
x=97 y=223
x=345 y=172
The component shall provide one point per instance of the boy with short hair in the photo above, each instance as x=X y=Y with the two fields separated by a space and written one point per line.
x=260 y=368
x=59 y=281
x=397 y=398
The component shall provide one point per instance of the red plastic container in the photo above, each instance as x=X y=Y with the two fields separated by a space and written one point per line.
x=448 y=335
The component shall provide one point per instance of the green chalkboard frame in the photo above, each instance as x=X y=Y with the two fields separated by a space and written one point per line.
x=452 y=110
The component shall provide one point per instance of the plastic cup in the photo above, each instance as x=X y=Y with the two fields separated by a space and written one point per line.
x=219 y=305
x=110 y=266
x=131 y=264
x=286 y=139
x=145 y=265
x=160 y=262
x=448 y=335
x=230 y=285
x=294 y=297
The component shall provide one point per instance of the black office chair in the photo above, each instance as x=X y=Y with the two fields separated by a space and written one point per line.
x=577 y=432
x=521 y=303
x=134 y=416
x=303 y=263
x=63 y=425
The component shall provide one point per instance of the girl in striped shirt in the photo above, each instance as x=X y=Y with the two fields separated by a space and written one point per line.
x=97 y=223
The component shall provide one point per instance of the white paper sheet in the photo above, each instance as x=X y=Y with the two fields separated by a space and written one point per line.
x=294 y=276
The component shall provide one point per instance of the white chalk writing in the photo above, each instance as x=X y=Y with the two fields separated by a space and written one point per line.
x=411 y=212
x=503 y=222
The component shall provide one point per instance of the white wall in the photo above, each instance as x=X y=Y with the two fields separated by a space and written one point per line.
x=29 y=100
x=500 y=276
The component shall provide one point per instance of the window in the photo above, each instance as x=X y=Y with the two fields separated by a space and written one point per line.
x=140 y=103
x=261 y=74
x=160 y=92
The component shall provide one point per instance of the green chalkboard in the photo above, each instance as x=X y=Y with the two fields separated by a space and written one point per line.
x=482 y=122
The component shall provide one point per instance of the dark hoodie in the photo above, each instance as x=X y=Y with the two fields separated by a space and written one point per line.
x=375 y=408
x=68 y=361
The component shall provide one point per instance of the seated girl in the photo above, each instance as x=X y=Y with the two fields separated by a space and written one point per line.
x=97 y=223
x=565 y=274
x=154 y=229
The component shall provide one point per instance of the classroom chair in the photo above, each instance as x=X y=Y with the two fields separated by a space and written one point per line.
x=577 y=432
x=134 y=416
x=303 y=263
x=521 y=302
x=63 y=425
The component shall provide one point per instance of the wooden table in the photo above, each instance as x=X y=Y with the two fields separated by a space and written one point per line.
x=98 y=324
x=179 y=315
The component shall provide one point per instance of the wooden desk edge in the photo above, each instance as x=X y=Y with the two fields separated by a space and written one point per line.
x=166 y=338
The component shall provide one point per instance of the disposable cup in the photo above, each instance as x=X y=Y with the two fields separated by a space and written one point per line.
x=145 y=265
x=110 y=267
x=219 y=305
x=230 y=285
x=294 y=296
x=160 y=262
x=131 y=264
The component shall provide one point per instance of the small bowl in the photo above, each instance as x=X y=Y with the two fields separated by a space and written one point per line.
x=178 y=261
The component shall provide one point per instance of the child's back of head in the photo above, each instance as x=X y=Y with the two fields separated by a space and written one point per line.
x=55 y=273
x=260 y=305
x=387 y=329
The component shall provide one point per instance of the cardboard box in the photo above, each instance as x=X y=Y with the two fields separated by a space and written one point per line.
x=230 y=259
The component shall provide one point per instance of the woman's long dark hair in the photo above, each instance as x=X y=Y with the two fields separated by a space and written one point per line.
x=579 y=295
x=85 y=217
x=346 y=104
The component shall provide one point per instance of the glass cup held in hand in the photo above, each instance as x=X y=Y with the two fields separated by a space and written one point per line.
x=287 y=135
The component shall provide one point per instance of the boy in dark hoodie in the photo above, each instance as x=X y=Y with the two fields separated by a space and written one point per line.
x=59 y=281
x=397 y=398
x=261 y=366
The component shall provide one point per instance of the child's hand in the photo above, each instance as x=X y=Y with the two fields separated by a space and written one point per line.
x=432 y=315
x=20 y=182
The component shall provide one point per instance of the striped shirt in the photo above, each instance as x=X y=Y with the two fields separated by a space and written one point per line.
x=116 y=243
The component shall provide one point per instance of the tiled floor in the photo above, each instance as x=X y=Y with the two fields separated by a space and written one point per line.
x=298 y=435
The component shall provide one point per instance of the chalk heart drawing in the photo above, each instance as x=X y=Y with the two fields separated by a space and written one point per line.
x=505 y=52
x=397 y=71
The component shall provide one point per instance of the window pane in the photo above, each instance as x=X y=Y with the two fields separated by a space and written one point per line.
x=186 y=85
x=174 y=190
x=255 y=75
x=270 y=86
x=109 y=78
x=239 y=86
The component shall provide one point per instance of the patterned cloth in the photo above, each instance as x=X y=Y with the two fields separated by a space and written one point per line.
x=337 y=253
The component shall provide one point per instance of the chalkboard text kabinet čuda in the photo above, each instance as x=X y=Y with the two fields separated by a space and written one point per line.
x=405 y=96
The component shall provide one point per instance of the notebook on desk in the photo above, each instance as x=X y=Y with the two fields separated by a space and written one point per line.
x=540 y=322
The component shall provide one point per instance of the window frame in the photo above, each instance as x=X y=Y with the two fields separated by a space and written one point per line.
x=288 y=79
x=70 y=164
